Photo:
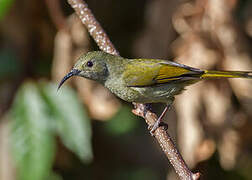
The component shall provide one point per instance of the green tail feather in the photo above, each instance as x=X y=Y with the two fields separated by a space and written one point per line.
x=226 y=74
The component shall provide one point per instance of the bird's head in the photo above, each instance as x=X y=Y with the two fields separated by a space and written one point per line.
x=92 y=65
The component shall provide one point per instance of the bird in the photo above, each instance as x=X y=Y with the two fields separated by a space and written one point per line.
x=143 y=80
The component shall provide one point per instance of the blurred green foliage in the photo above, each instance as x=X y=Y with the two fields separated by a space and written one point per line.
x=71 y=121
x=135 y=174
x=32 y=140
x=9 y=64
x=123 y=122
x=4 y=7
x=39 y=114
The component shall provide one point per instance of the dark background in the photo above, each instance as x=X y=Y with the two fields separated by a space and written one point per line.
x=210 y=122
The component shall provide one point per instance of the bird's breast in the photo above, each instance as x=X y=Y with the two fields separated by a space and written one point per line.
x=151 y=94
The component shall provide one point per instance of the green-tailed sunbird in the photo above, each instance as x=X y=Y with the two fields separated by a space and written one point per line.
x=143 y=80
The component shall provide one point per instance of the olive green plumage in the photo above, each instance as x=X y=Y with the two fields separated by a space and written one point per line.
x=143 y=80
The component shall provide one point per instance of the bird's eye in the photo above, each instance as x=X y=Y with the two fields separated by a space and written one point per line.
x=90 y=64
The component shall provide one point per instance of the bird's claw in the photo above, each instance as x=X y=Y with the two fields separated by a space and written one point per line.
x=164 y=125
x=159 y=122
x=156 y=125
x=147 y=108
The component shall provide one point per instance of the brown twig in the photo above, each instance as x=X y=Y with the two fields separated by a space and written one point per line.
x=162 y=136
x=166 y=143
x=93 y=26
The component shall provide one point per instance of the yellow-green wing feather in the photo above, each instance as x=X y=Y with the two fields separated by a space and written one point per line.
x=170 y=72
x=148 y=72
x=141 y=73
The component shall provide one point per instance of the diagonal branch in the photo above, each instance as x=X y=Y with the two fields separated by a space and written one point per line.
x=162 y=136
x=93 y=26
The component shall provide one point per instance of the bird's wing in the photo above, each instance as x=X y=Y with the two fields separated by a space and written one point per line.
x=149 y=72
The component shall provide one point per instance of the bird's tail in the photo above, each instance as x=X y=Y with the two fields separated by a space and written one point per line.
x=226 y=74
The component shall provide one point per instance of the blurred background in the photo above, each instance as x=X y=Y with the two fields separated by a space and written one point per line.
x=83 y=131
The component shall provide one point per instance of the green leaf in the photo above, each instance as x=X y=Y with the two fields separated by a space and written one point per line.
x=71 y=121
x=4 y=7
x=31 y=140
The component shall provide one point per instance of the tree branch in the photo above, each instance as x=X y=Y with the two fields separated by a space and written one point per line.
x=93 y=26
x=162 y=136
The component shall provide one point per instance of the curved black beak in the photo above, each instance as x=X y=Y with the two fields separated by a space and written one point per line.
x=73 y=72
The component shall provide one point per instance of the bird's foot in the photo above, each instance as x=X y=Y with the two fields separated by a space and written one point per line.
x=159 y=122
x=147 y=108
x=156 y=125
